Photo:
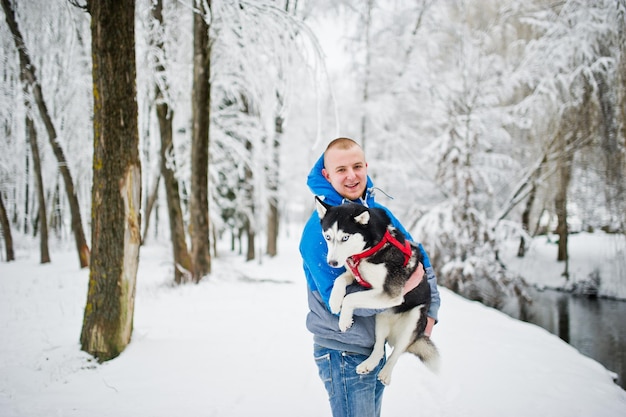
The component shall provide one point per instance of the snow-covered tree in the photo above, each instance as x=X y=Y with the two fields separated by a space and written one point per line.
x=570 y=73
x=161 y=100
x=258 y=50
x=32 y=81
x=255 y=49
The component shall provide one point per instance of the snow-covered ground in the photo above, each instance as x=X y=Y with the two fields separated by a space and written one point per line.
x=236 y=345
x=589 y=253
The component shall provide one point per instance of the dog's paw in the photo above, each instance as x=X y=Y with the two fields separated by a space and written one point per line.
x=365 y=367
x=335 y=302
x=384 y=375
x=345 y=321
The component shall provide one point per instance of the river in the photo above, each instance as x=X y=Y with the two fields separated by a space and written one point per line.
x=594 y=326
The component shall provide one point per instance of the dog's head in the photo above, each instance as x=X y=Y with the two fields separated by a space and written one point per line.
x=344 y=228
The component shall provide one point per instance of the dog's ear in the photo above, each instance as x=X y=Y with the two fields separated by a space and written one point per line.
x=363 y=218
x=321 y=207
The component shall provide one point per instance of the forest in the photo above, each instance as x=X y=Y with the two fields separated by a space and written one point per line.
x=197 y=121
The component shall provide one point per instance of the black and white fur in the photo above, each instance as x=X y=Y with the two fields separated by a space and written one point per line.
x=350 y=229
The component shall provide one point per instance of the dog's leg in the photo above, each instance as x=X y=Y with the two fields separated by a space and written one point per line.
x=374 y=298
x=400 y=337
x=339 y=291
x=382 y=330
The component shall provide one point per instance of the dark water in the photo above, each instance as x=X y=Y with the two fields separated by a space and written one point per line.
x=594 y=326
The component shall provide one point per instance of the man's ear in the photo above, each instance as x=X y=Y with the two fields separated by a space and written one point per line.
x=363 y=218
x=321 y=207
x=325 y=174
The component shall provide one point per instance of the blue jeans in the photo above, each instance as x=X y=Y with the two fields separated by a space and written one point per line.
x=350 y=394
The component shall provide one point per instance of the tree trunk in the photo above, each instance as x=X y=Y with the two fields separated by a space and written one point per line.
x=560 y=202
x=180 y=252
x=150 y=202
x=273 y=187
x=31 y=135
x=29 y=76
x=250 y=221
x=6 y=231
x=201 y=101
x=182 y=259
x=530 y=201
x=26 y=195
x=116 y=191
x=56 y=218
x=250 y=234
x=272 y=228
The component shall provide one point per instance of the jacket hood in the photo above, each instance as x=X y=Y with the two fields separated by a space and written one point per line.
x=320 y=186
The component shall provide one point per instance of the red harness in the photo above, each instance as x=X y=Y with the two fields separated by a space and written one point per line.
x=354 y=260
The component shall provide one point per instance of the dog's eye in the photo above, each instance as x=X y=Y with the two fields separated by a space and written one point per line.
x=344 y=238
x=327 y=237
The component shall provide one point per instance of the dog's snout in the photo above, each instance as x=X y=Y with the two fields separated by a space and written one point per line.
x=333 y=263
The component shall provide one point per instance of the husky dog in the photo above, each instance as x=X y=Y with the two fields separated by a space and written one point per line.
x=378 y=256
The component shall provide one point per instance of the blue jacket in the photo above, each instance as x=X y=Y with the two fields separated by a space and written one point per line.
x=320 y=276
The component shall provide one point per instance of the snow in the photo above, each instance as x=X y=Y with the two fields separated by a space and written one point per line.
x=589 y=253
x=236 y=345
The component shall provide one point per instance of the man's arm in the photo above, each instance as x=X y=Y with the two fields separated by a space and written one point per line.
x=435 y=300
x=430 y=323
x=414 y=281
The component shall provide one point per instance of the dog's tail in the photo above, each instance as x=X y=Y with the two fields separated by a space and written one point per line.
x=426 y=350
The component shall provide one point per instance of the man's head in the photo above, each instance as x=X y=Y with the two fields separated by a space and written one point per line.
x=345 y=168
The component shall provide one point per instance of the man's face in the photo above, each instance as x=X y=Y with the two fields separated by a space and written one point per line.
x=346 y=170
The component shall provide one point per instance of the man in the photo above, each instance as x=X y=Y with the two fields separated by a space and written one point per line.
x=340 y=175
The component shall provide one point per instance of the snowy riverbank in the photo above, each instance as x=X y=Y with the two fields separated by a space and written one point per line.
x=592 y=255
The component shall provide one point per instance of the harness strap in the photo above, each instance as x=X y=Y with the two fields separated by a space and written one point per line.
x=354 y=260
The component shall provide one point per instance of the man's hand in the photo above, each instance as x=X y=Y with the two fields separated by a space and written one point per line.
x=430 y=323
x=414 y=279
